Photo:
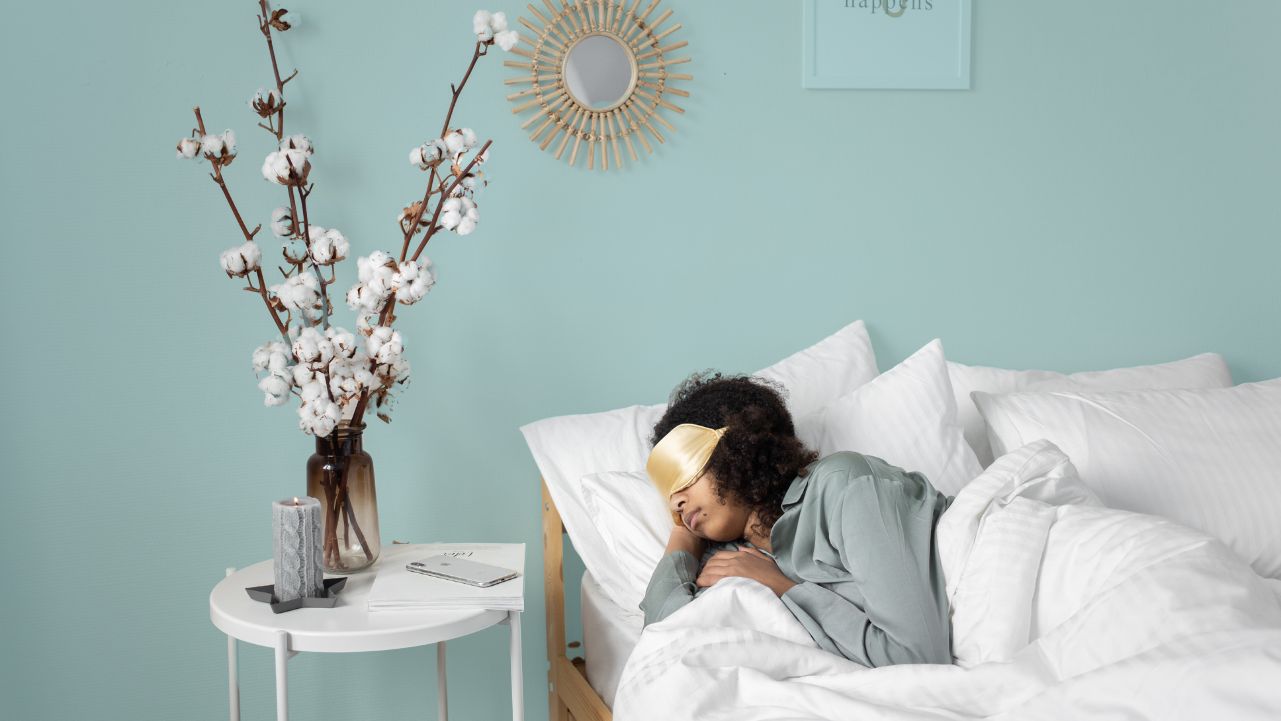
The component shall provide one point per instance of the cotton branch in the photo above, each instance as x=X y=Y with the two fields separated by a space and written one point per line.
x=249 y=235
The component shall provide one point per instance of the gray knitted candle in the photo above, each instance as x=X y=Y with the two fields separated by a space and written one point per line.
x=296 y=531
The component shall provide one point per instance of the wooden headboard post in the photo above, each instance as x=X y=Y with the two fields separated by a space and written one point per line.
x=554 y=589
x=570 y=697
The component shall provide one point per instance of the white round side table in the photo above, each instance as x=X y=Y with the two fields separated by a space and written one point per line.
x=347 y=627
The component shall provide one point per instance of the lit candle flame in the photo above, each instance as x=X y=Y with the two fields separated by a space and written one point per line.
x=296 y=500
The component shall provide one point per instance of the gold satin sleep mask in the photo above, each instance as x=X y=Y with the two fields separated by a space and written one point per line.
x=680 y=457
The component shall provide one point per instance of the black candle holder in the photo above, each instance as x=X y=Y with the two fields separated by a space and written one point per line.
x=267 y=594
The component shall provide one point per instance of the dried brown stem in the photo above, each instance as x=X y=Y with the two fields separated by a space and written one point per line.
x=264 y=24
x=249 y=235
x=431 y=229
x=481 y=49
x=388 y=309
x=457 y=90
x=306 y=235
x=351 y=516
x=262 y=290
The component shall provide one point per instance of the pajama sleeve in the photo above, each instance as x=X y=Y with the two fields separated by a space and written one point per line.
x=883 y=528
x=671 y=586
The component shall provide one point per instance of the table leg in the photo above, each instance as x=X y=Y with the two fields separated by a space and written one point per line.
x=282 y=676
x=518 y=676
x=233 y=676
x=442 y=701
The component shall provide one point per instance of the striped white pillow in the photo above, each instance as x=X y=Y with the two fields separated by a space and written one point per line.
x=1207 y=370
x=1209 y=458
x=906 y=416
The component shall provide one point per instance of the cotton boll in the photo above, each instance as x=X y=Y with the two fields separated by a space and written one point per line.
x=265 y=102
x=188 y=148
x=400 y=370
x=211 y=145
x=459 y=214
x=286 y=167
x=330 y=247
x=297 y=142
x=498 y=21
x=375 y=271
x=272 y=355
x=366 y=265
x=412 y=282
x=343 y=342
x=367 y=380
x=471 y=181
x=319 y=417
x=275 y=388
x=469 y=136
x=480 y=25
x=366 y=322
x=466 y=226
x=343 y=381
x=455 y=143
x=384 y=345
x=313 y=348
x=270 y=165
x=428 y=153
x=299 y=293
x=241 y=260
x=311 y=391
x=344 y=388
x=295 y=250
x=358 y=297
x=282 y=222
x=507 y=39
x=220 y=148
x=380 y=282
x=303 y=375
x=365 y=301
x=451 y=211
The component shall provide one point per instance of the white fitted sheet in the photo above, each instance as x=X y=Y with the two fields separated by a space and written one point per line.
x=609 y=635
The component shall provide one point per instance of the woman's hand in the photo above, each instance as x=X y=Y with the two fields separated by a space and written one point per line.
x=746 y=563
x=683 y=539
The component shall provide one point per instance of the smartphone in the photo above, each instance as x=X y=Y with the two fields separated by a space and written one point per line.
x=462 y=570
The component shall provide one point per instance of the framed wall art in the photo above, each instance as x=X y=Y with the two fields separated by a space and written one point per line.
x=886 y=44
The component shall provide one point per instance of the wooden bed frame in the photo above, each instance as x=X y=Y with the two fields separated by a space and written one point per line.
x=569 y=695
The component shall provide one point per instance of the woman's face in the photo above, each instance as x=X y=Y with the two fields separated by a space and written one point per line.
x=706 y=515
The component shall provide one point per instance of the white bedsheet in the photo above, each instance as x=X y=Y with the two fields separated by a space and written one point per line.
x=1061 y=609
x=609 y=635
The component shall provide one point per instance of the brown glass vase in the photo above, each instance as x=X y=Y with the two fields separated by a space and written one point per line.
x=341 y=475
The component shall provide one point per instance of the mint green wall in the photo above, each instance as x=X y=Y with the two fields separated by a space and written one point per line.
x=1106 y=194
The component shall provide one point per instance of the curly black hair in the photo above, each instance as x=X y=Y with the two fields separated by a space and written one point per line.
x=759 y=455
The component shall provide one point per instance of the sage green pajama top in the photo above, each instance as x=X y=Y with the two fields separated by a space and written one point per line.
x=857 y=537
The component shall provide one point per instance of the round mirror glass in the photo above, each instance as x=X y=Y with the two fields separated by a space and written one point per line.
x=598 y=71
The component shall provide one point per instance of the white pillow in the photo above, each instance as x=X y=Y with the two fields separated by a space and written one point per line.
x=1208 y=458
x=1207 y=370
x=568 y=448
x=633 y=520
x=906 y=416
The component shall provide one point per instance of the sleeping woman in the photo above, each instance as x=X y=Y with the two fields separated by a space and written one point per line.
x=846 y=541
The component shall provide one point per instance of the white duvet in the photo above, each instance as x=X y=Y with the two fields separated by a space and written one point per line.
x=1061 y=608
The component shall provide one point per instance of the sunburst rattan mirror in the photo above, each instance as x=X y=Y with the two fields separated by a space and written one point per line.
x=597 y=74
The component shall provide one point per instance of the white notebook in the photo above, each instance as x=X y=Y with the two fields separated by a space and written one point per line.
x=396 y=588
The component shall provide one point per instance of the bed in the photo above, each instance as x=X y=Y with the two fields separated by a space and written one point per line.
x=1176 y=626
x=1114 y=553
